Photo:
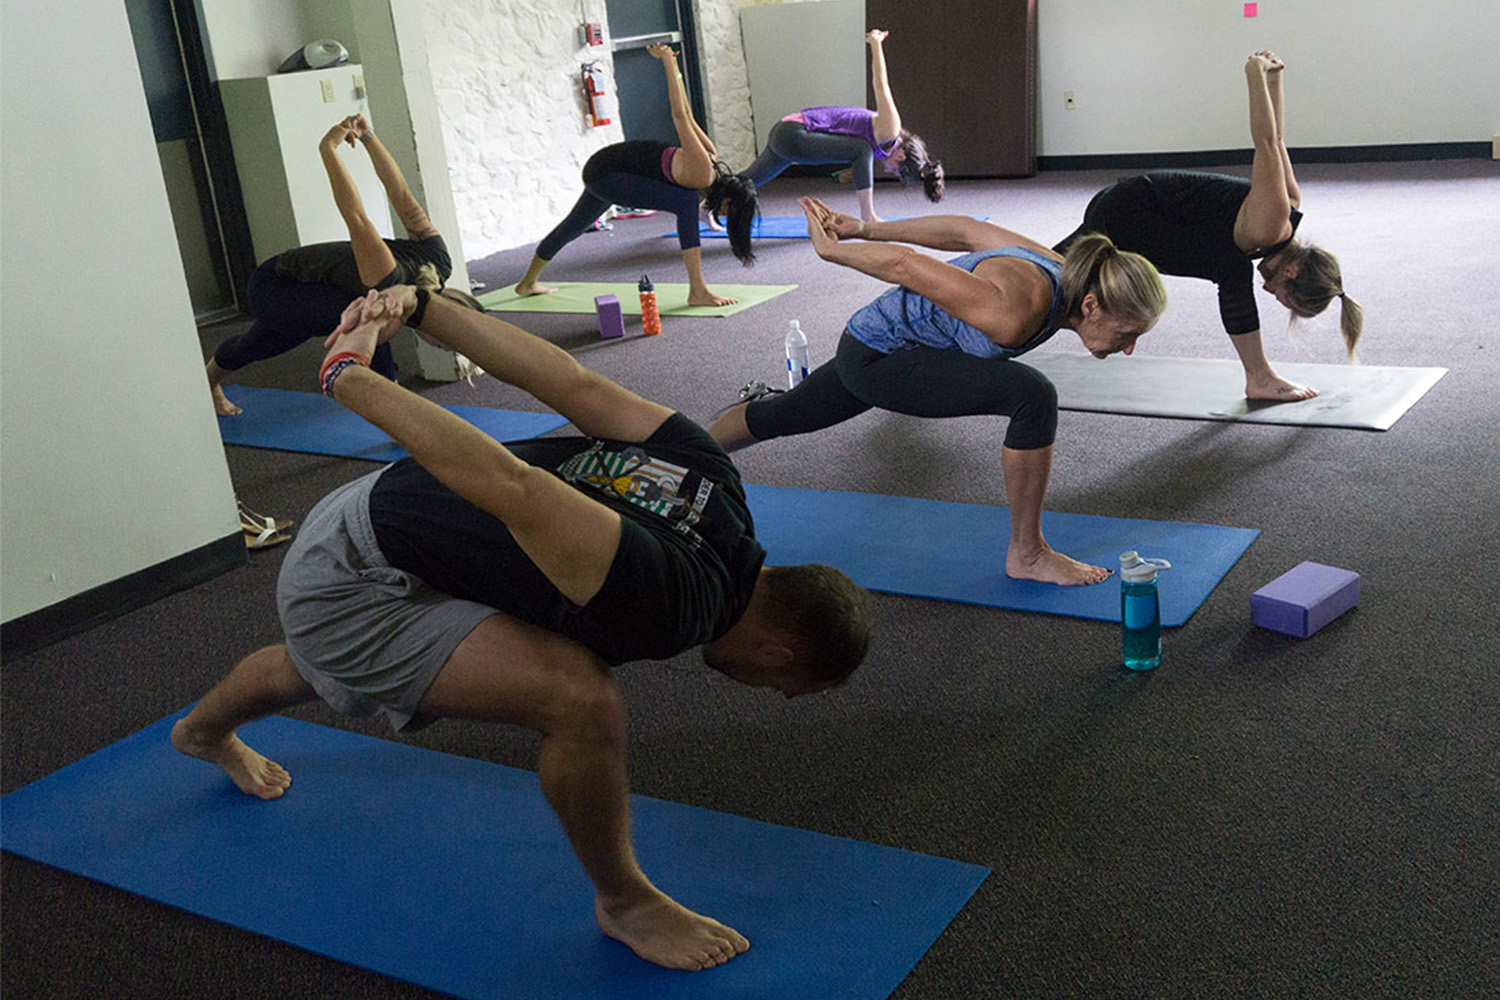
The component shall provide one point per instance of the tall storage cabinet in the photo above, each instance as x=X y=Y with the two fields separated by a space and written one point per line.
x=275 y=124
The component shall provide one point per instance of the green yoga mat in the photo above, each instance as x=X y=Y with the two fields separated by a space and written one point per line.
x=671 y=299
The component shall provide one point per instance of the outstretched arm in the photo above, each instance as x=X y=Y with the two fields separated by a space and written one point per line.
x=413 y=217
x=373 y=258
x=887 y=123
x=961 y=233
x=1274 y=74
x=571 y=538
x=591 y=402
x=957 y=292
x=1263 y=218
x=693 y=166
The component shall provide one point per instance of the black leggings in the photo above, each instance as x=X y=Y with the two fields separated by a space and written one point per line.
x=792 y=142
x=920 y=381
x=630 y=190
x=286 y=313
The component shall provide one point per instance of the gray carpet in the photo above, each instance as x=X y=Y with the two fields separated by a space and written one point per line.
x=1260 y=817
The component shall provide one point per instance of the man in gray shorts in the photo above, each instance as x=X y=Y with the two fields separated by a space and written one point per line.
x=502 y=582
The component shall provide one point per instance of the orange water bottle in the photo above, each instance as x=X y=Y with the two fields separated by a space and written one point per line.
x=650 y=318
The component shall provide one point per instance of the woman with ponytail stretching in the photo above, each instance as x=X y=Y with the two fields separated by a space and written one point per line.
x=856 y=136
x=1213 y=226
x=943 y=343
x=644 y=173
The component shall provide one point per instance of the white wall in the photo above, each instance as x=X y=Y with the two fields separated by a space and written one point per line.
x=111 y=461
x=506 y=75
x=251 y=39
x=1167 y=75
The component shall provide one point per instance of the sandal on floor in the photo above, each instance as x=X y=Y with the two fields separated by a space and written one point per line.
x=262 y=532
x=749 y=393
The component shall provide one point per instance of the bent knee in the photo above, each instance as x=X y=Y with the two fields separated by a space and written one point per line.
x=1033 y=414
x=589 y=705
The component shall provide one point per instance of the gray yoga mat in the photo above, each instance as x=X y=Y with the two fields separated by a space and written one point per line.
x=1365 y=397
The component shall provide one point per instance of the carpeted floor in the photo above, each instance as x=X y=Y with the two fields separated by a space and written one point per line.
x=1260 y=817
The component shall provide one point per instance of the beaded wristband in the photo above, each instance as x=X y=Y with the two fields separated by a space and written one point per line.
x=415 y=319
x=334 y=367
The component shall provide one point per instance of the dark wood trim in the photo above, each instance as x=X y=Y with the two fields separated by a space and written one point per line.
x=228 y=203
x=1305 y=154
x=110 y=600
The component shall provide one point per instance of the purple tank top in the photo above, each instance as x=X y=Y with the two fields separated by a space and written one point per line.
x=666 y=162
x=841 y=120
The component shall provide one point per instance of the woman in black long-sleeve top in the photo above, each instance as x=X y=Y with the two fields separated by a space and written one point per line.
x=1216 y=227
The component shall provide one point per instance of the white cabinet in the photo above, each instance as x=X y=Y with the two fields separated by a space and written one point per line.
x=275 y=123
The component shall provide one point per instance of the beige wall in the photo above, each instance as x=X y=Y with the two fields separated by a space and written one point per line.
x=110 y=461
x=1166 y=75
x=506 y=73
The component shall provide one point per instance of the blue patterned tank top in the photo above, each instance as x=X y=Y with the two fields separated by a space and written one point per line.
x=901 y=318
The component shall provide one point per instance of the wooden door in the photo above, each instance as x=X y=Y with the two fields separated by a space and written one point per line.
x=963 y=74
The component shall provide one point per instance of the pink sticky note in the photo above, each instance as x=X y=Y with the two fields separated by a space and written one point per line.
x=1249 y=10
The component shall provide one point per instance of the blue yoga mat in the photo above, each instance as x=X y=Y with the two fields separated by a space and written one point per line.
x=311 y=422
x=956 y=552
x=769 y=227
x=453 y=873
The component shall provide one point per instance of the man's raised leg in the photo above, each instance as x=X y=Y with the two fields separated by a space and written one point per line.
x=262 y=683
x=507 y=671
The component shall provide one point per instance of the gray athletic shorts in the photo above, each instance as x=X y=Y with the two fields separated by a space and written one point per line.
x=368 y=637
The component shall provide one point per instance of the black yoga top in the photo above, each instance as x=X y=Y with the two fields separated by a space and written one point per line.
x=1183 y=222
x=683 y=574
x=640 y=157
x=333 y=263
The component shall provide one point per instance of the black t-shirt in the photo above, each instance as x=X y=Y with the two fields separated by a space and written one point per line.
x=1183 y=222
x=641 y=157
x=687 y=562
x=333 y=263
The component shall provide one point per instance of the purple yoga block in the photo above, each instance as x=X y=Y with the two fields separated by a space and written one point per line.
x=1304 y=599
x=611 y=320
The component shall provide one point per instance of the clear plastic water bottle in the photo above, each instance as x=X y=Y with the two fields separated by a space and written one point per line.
x=1140 y=611
x=796 y=355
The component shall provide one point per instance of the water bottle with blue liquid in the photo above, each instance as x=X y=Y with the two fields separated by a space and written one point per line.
x=1140 y=611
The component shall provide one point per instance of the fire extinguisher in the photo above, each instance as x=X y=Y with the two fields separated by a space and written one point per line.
x=595 y=86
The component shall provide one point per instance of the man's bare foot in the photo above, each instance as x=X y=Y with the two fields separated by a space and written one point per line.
x=1277 y=389
x=662 y=931
x=535 y=288
x=222 y=406
x=707 y=298
x=250 y=772
x=1048 y=566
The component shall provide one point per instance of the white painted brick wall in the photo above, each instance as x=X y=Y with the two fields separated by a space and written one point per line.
x=506 y=73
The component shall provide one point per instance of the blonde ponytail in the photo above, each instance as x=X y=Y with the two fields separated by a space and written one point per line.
x=1126 y=284
x=1317 y=283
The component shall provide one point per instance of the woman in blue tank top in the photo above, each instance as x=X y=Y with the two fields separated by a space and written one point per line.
x=943 y=343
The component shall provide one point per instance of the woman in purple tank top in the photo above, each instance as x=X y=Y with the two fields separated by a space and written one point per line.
x=856 y=136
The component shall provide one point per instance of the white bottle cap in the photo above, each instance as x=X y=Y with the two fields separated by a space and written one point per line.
x=1134 y=569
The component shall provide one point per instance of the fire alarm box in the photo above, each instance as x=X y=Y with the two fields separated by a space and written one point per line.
x=591 y=33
